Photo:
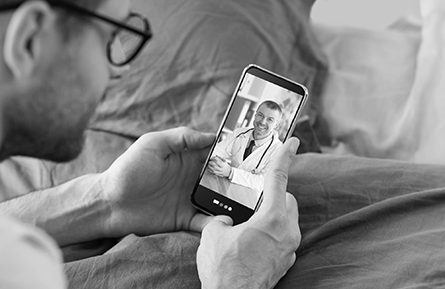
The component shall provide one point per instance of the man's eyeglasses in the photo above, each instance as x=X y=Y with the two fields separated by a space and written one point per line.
x=126 y=42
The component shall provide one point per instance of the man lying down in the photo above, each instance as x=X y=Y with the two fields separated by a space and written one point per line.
x=365 y=223
x=57 y=59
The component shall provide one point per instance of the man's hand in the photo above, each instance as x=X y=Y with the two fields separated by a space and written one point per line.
x=257 y=253
x=219 y=167
x=148 y=188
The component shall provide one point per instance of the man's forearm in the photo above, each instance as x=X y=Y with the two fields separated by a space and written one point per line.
x=248 y=179
x=71 y=213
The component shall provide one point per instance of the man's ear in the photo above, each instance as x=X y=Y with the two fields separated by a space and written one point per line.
x=23 y=38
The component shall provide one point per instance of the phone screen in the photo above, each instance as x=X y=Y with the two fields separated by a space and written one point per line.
x=260 y=117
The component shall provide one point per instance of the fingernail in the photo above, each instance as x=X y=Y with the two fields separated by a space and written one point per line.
x=295 y=144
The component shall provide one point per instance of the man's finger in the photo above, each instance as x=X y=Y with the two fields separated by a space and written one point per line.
x=177 y=140
x=200 y=221
x=275 y=183
x=202 y=154
x=221 y=159
x=293 y=214
x=212 y=167
x=218 y=162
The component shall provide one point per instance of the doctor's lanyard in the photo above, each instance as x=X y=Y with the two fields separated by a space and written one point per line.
x=264 y=153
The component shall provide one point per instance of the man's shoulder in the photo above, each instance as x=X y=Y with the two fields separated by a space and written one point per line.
x=28 y=251
x=20 y=234
x=242 y=130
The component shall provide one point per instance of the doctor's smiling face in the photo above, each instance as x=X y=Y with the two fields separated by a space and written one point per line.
x=267 y=118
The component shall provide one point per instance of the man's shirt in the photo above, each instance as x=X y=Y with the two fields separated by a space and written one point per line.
x=28 y=258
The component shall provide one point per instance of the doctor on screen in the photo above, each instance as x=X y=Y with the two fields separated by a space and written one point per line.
x=244 y=156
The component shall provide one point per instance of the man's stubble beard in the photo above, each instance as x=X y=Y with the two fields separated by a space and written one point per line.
x=53 y=119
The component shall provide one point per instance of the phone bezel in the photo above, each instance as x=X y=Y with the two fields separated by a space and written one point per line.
x=214 y=203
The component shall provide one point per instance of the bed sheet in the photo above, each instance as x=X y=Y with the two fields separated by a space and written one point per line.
x=397 y=243
x=365 y=224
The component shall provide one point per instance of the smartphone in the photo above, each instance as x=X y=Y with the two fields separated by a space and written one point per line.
x=262 y=114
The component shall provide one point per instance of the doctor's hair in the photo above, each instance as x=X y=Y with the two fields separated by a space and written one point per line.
x=272 y=105
x=70 y=23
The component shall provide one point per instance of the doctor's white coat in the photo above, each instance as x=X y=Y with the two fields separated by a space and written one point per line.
x=249 y=172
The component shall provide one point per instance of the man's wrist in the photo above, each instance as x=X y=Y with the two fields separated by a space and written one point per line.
x=112 y=215
x=230 y=176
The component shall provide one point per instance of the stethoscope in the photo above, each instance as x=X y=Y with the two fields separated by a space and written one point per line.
x=264 y=153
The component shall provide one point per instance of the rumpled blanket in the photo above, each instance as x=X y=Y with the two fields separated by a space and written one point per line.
x=365 y=224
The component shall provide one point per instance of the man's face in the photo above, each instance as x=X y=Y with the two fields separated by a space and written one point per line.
x=266 y=120
x=67 y=92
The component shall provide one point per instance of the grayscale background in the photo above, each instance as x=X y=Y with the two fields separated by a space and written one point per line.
x=372 y=14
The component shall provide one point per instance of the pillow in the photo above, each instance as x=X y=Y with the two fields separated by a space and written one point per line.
x=423 y=125
x=366 y=97
x=188 y=71
x=384 y=95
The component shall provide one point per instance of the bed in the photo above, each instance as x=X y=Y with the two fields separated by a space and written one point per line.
x=370 y=171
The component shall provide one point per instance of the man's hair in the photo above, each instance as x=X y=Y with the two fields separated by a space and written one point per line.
x=70 y=24
x=272 y=105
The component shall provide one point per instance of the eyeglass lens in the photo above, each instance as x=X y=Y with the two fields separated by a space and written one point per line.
x=126 y=43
